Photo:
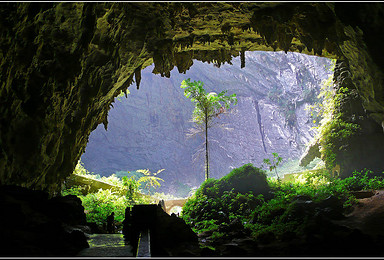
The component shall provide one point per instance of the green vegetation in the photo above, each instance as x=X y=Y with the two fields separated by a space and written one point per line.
x=98 y=206
x=150 y=180
x=128 y=192
x=208 y=107
x=220 y=201
x=274 y=163
x=217 y=203
x=333 y=129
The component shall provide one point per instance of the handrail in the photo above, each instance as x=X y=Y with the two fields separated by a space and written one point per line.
x=144 y=244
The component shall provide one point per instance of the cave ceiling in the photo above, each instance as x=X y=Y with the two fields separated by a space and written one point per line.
x=62 y=64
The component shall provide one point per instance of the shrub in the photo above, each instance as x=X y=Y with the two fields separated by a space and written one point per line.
x=232 y=196
x=217 y=202
x=246 y=178
x=364 y=180
x=101 y=204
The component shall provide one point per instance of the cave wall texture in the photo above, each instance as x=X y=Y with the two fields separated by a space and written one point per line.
x=62 y=64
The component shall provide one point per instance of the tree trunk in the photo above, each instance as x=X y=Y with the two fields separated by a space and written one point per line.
x=277 y=174
x=206 y=147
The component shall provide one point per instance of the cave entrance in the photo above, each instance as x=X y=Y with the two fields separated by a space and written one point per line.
x=147 y=129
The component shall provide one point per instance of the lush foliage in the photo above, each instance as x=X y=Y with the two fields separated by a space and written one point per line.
x=208 y=107
x=80 y=170
x=323 y=108
x=220 y=201
x=333 y=129
x=150 y=180
x=141 y=180
x=99 y=205
x=212 y=208
x=274 y=163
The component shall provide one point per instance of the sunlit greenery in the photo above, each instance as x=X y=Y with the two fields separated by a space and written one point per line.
x=150 y=180
x=271 y=165
x=220 y=201
x=333 y=129
x=212 y=208
x=123 y=94
x=100 y=204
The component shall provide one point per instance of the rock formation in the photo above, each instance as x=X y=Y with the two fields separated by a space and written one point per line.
x=31 y=224
x=62 y=64
x=148 y=129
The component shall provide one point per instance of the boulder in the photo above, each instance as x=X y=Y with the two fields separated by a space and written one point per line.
x=31 y=224
x=362 y=194
x=70 y=208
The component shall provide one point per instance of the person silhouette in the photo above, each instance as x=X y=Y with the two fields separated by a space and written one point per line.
x=111 y=223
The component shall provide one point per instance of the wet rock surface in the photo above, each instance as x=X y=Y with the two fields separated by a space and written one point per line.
x=31 y=224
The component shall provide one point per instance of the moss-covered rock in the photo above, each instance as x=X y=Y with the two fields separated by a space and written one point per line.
x=246 y=178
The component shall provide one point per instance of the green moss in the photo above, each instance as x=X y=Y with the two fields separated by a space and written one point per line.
x=336 y=131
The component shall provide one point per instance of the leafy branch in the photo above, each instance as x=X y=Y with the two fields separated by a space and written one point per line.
x=274 y=163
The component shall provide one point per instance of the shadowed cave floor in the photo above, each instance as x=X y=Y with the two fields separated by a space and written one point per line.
x=106 y=245
x=366 y=216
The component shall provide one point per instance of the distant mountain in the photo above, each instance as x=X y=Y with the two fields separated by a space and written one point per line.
x=148 y=129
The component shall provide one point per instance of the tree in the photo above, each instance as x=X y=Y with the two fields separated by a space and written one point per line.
x=150 y=179
x=272 y=165
x=208 y=107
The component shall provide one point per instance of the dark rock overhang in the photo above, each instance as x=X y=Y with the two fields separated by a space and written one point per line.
x=62 y=64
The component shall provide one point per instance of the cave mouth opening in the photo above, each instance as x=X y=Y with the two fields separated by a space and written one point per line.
x=147 y=129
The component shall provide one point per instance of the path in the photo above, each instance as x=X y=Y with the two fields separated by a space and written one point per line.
x=107 y=245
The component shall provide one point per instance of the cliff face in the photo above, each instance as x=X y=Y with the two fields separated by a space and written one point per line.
x=148 y=129
x=62 y=64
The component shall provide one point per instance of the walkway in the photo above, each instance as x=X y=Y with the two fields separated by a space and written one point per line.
x=107 y=245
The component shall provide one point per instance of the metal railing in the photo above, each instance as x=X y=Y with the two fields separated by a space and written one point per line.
x=144 y=244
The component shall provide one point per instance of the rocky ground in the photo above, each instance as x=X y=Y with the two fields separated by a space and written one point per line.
x=368 y=215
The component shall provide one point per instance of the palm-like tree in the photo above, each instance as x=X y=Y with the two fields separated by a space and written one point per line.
x=208 y=107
